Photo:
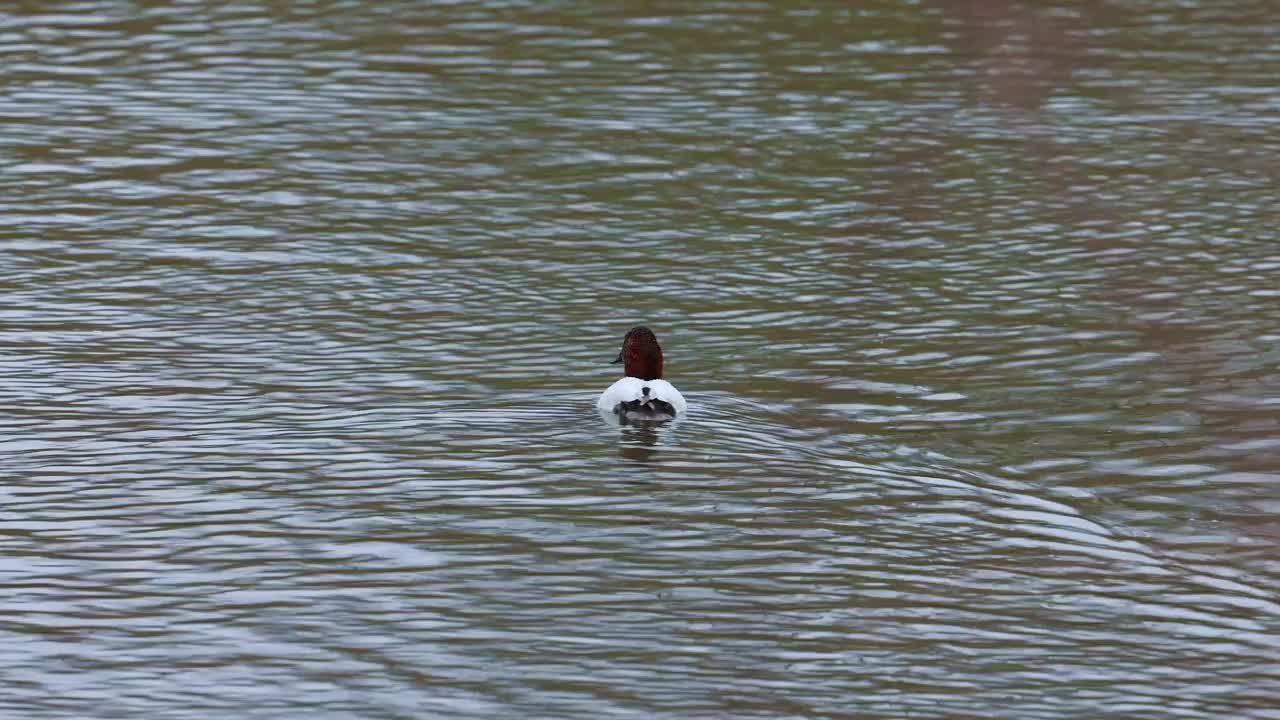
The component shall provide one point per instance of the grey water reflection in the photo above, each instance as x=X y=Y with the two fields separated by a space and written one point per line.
x=305 y=308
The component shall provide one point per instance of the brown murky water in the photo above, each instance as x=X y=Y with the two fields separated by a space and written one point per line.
x=305 y=308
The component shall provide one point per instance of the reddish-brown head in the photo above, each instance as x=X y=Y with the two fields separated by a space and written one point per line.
x=641 y=356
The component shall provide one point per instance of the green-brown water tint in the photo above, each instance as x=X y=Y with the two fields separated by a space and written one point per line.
x=306 y=307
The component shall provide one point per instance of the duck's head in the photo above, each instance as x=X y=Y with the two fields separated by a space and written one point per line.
x=641 y=356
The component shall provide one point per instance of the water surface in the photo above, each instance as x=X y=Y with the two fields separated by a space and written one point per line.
x=305 y=309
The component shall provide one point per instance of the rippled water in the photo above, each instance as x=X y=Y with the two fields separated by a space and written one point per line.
x=305 y=308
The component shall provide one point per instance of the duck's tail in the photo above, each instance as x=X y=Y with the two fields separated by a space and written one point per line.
x=650 y=408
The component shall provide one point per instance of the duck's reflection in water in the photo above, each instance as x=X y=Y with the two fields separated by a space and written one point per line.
x=639 y=440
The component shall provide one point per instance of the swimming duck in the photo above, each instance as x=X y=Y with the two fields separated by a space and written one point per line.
x=642 y=394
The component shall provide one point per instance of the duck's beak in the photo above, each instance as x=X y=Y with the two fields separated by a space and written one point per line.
x=617 y=359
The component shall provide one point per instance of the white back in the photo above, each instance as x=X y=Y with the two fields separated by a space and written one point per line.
x=630 y=389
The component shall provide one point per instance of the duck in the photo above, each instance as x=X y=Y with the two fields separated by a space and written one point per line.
x=642 y=394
